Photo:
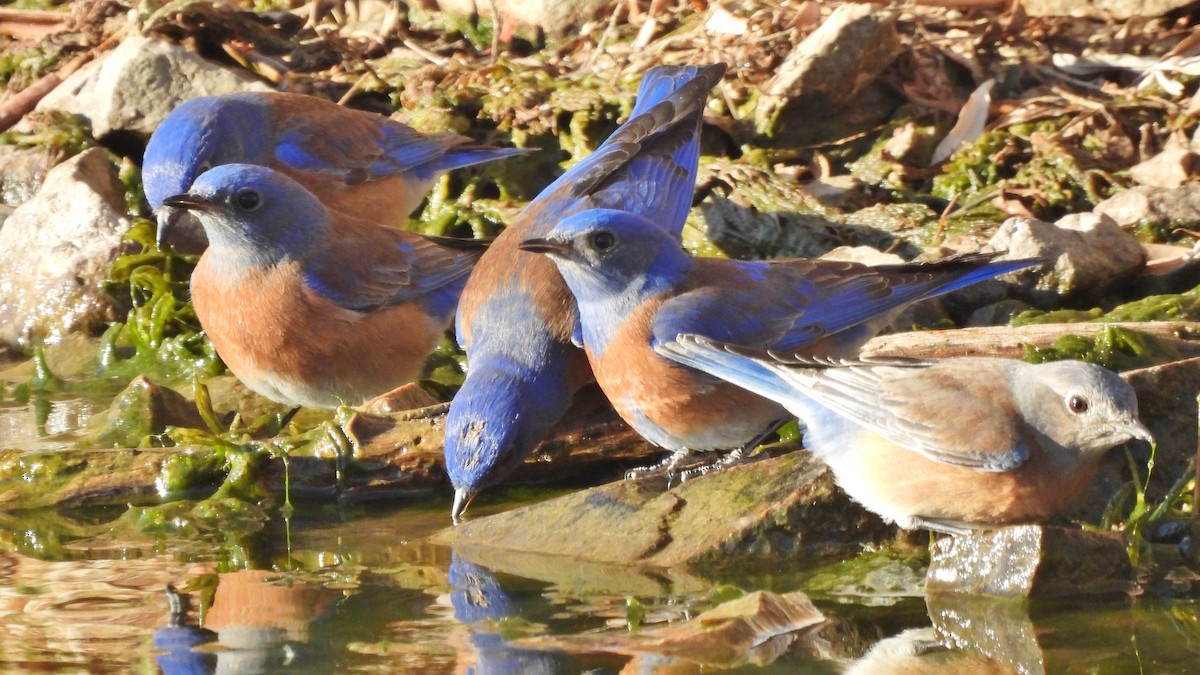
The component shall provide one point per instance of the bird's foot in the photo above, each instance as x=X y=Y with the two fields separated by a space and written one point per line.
x=664 y=468
x=719 y=464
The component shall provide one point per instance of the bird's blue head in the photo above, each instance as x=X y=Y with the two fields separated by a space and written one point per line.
x=254 y=216
x=606 y=253
x=199 y=134
x=495 y=421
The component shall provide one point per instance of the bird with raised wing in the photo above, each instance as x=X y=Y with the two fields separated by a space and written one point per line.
x=518 y=322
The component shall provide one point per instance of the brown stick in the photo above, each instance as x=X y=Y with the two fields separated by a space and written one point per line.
x=1009 y=342
x=39 y=16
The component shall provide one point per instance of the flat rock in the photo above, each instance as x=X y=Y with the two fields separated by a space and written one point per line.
x=135 y=86
x=779 y=508
x=1154 y=206
x=57 y=248
x=1029 y=561
x=1091 y=255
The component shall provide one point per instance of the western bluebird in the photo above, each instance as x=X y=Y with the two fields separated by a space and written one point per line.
x=518 y=322
x=353 y=161
x=309 y=306
x=635 y=286
x=947 y=445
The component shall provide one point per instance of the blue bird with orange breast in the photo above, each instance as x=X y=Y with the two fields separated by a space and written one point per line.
x=636 y=287
x=518 y=322
x=950 y=445
x=353 y=161
x=309 y=306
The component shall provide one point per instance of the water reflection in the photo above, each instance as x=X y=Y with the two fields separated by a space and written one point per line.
x=480 y=602
x=353 y=595
x=45 y=423
x=176 y=642
x=967 y=635
x=263 y=620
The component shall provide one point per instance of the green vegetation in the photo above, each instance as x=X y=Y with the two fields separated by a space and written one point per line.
x=1114 y=347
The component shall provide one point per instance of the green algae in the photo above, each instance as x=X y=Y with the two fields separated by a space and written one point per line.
x=1055 y=178
x=1114 y=347
x=1171 y=307
x=160 y=336
x=444 y=370
x=191 y=469
x=635 y=614
x=24 y=67
x=879 y=577
x=223 y=519
x=64 y=134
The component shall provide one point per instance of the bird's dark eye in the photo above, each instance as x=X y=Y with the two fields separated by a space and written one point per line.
x=1077 y=404
x=602 y=240
x=248 y=199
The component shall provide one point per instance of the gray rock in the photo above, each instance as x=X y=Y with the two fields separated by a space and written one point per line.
x=55 y=250
x=22 y=170
x=134 y=87
x=1030 y=560
x=864 y=255
x=827 y=74
x=1154 y=206
x=1091 y=254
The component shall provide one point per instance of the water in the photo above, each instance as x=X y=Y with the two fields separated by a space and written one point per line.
x=359 y=590
x=345 y=589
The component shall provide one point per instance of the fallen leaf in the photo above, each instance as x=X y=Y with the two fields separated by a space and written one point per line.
x=971 y=121
x=723 y=22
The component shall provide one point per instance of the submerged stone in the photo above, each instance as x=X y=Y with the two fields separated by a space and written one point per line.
x=140 y=410
x=781 y=508
x=1029 y=561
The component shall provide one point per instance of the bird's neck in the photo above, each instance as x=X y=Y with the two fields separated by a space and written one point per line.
x=603 y=314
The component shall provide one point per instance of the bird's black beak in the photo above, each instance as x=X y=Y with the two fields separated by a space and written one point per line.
x=168 y=216
x=552 y=247
x=187 y=202
x=172 y=210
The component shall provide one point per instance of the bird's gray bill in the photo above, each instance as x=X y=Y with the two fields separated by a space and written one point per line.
x=550 y=246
